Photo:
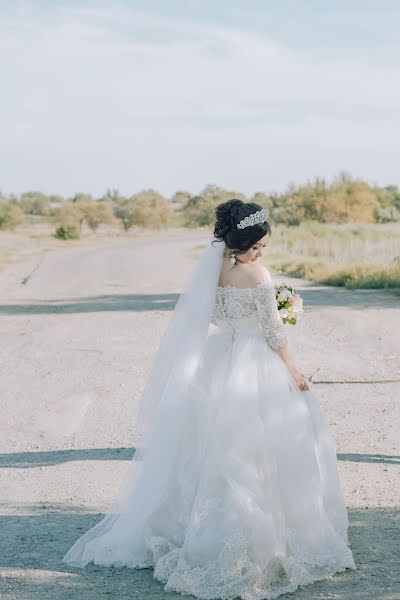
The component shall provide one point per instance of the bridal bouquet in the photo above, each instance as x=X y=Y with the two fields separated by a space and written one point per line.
x=290 y=304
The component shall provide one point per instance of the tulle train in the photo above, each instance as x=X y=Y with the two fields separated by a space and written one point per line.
x=239 y=495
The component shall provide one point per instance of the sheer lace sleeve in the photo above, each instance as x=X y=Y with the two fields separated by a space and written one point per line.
x=267 y=309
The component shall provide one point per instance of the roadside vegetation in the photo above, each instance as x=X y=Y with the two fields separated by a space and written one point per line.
x=344 y=233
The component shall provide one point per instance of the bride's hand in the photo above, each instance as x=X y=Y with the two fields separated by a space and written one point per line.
x=301 y=381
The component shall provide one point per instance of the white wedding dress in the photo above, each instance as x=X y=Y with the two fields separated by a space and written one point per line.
x=251 y=503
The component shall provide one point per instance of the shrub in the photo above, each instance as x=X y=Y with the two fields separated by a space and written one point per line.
x=69 y=214
x=67 y=232
x=96 y=213
x=199 y=211
x=35 y=203
x=145 y=209
x=389 y=214
x=10 y=215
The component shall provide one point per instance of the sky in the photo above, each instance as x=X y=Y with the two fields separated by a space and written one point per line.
x=176 y=94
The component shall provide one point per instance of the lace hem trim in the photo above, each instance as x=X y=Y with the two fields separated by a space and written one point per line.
x=235 y=575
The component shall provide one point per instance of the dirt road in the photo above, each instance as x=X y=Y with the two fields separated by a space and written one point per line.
x=79 y=329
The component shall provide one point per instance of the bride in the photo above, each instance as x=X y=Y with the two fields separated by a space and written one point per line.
x=234 y=490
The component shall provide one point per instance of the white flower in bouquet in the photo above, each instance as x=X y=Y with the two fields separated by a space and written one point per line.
x=290 y=304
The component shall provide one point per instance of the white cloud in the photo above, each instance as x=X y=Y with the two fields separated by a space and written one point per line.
x=119 y=97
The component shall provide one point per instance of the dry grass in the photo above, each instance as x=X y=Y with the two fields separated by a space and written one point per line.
x=350 y=255
x=31 y=240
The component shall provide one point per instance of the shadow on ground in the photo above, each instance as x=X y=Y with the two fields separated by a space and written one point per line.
x=26 y=460
x=34 y=544
x=313 y=297
x=106 y=303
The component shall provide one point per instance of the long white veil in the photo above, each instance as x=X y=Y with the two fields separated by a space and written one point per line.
x=163 y=409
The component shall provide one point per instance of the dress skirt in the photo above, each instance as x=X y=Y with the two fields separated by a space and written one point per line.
x=251 y=505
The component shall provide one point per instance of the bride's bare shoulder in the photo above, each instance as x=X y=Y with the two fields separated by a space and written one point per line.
x=248 y=276
x=258 y=274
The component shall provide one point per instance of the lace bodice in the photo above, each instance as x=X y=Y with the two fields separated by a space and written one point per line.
x=232 y=304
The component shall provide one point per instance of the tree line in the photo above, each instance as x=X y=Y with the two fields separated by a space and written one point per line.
x=344 y=200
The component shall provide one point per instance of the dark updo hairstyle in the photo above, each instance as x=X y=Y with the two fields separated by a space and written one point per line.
x=228 y=215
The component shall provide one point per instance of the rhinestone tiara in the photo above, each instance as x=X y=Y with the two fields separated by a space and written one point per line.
x=258 y=217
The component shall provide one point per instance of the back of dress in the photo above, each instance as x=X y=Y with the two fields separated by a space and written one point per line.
x=237 y=495
x=235 y=306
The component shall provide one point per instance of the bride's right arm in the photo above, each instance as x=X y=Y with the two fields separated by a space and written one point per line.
x=274 y=328
x=283 y=352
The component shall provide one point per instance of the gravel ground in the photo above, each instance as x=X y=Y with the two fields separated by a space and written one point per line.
x=79 y=327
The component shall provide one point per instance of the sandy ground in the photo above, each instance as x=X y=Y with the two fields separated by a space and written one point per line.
x=79 y=328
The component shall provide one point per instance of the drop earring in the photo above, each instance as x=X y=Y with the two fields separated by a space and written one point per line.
x=232 y=259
